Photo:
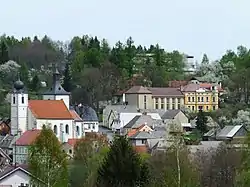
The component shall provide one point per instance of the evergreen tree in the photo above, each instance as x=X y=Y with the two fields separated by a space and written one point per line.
x=24 y=73
x=47 y=161
x=35 y=84
x=201 y=122
x=4 y=54
x=67 y=79
x=122 y=166
x=205 y=59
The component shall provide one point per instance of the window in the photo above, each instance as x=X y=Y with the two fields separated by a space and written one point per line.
x=14 y=99
x=89 y=126
x=167 y=104
x=173 y=106
x=77 y=130
x=207 y=99
x=189 y=99
x=145 y=102
x=199 y=99
x=162 y=103
x=192 y=99
x=214 y=108
x=213 y=99
x=202 y=99
x=22 y=99
x=192 y=108
x=70 y=151
x=207 y=108
x=156 y=103
x=179 y=103
x=143 y=141
x=67 y=129
x=55 y=129
x=200 y=107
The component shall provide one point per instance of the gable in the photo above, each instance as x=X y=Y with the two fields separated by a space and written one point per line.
x=17 y=177
x=241 y=132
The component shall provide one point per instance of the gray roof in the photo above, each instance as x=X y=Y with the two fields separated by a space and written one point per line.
x=170 y=114
x=86 y=113
x=138 y=90
x=228 y=131
x=56 y=88
x=142 y=135
x=6 y=141
x=139 y=120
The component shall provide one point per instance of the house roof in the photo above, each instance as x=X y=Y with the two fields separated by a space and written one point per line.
x=139 y=120
x=142 y=135
x=28 y=137
x=192 y=87
x=132 y=132
x=73 y=141
x=177 y=84
x=75 y=116
x=87 y=113
x=229 y=131
x=12 y=169
x=49 y=109
x=138 y=90
x=170 y=114
x=6 y=141
x=166 y=91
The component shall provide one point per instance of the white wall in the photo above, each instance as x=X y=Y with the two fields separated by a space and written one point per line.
x=127 y=117
x=65 y=98
x=16 y=178
x=91 y=126
x=19 y=112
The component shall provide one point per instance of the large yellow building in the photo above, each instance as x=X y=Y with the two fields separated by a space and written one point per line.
x=201 y=97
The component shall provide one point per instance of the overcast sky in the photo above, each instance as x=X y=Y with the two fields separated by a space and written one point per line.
x=191 y=26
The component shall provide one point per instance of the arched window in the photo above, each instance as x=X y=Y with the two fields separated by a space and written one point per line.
x=55 y=129
x=70 y=151
x=77 y=130
x=67 y=129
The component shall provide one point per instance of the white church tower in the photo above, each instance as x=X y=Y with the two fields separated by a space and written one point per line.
x=19 y=108
x=56 y=91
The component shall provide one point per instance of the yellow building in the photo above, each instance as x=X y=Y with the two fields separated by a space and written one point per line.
x=200 y=97
x=155 y=98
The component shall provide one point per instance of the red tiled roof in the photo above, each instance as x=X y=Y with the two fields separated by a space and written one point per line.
x=72 y=141
x=49 y=109
x=75 y=115
x=132 y=132
x=28 y=137
x=141 y=148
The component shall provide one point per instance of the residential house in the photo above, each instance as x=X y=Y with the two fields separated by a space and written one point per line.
x=12 y=176
x=154 y=98
x=22 y=144
x=68 y=147
x=117 y=116
x=199 y=98
x=174 y=116
x=5 y=159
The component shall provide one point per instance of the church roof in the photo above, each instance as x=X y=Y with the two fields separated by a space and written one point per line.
x=75 y=115
x=49 y=109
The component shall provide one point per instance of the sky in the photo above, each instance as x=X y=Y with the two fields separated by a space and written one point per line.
x=194 y=27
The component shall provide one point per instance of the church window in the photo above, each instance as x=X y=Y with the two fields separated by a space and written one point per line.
x=77 y=130
x=14 y=99
x=67 y=129
x=55 y=129
x=22 y=99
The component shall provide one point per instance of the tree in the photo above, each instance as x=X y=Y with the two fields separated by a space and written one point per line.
x=201 y=122
x=205 y=59
x=4 y=54
x=35 y=84
x=122 y=166
x=24 y=73
x=88 y=155
x=47 y=161
x=67 y=79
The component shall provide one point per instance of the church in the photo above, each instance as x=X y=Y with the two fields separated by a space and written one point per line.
x=53 y=110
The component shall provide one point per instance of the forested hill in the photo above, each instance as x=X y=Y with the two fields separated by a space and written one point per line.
x=93 y=70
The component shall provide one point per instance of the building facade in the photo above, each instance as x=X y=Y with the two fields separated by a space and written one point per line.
x=155 y=98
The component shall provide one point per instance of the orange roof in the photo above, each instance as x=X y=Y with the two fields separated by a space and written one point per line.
x=49 y=109
x=140 y=128
x=75 y=115
x=28 y=137
x=132 y=132
x=141 y=148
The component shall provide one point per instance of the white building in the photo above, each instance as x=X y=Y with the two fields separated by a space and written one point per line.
x=53 y=110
